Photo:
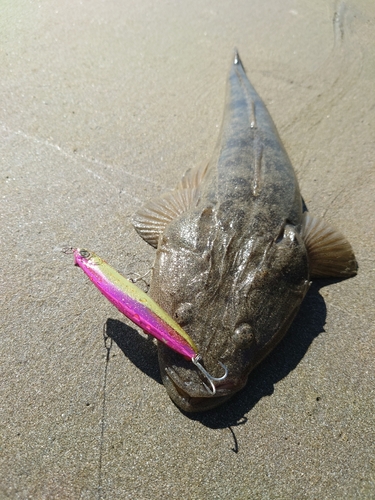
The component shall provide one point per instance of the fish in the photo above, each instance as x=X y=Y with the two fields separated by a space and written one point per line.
x=141 y=310
x=235 y=251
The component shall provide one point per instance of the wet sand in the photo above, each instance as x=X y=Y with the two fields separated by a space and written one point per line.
x=104 y=105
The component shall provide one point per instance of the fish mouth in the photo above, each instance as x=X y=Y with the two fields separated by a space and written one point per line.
x=193 y=397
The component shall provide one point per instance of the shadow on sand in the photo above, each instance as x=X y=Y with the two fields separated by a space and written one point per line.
x=141 y=351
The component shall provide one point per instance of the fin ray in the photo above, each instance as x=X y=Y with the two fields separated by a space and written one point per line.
x=152 y=219
x=193 y=177
x=330 y=253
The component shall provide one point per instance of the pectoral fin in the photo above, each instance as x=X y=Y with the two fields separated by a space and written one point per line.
x=152 y=219
x=193 y=177
x=330 y=254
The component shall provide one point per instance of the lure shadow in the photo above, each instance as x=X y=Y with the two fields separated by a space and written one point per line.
x=141 y=351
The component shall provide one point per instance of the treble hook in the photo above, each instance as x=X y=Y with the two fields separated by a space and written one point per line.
x=197 y=361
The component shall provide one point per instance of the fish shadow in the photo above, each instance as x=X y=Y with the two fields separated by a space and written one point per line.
x=308 y=324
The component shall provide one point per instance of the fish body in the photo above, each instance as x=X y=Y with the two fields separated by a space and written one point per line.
x=235 y=251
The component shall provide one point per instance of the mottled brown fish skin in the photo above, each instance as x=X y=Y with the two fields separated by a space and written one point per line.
x=231 y=265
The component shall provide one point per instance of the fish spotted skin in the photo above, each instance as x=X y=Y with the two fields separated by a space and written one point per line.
x=235 y=252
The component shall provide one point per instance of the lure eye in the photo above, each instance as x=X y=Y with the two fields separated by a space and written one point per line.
x=85 y=254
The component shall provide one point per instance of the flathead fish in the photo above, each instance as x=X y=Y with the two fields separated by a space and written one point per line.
x=235 y=251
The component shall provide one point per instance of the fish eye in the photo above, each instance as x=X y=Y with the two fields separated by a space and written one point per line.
x=287 y=235
x=290 y=234
x=85 y=254
x=244 y=332
x=280 y=236
x=183 y=313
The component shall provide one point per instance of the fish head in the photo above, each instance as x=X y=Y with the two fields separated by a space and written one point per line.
x=234 y=289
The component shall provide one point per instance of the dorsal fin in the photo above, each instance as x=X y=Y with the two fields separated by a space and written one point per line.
x=330 y=253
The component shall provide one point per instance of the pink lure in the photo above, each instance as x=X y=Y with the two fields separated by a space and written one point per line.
x=141 y=309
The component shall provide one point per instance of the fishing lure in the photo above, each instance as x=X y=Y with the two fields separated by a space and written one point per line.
x=142 y=310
